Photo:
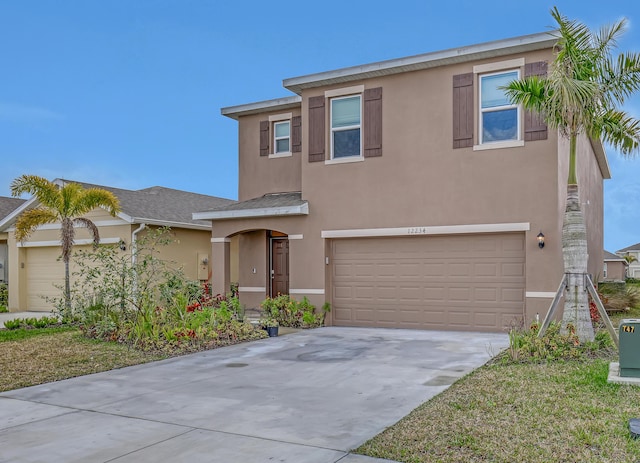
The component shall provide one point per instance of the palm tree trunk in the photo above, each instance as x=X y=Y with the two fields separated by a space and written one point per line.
x=67 y=289
x=575 y=255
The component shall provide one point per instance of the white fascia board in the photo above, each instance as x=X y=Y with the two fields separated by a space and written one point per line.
x=9 y=220
x=601 y=158
x=164 y=223
x=278 y=104
x=492 y=49
x=302 y=209
x=80 y=242
x=422 y=230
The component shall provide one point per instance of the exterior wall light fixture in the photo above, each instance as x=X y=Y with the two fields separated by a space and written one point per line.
x=540 y=240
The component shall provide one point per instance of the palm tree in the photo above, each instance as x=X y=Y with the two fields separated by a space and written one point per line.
x=64 y=204
x=630 y=259
x=581 y=96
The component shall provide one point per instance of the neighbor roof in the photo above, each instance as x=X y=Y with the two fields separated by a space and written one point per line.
x=273 y=204
x=153 y=206
x=633 y=247
x=8 y=205
x=608 y=256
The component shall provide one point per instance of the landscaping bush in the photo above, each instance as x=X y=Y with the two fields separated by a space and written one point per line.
x=526 y=347
x=32 y=323
x=4 y=297
x=619 y=297
x=149 y=303
x=283 y=310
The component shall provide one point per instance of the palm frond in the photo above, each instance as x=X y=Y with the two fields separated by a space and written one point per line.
x=98 y=197
x=31 y=219
x=45 y=191
x=619 y=129
x=92 y=227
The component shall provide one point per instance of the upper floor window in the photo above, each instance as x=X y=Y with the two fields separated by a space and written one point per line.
x=346 y=126
x=499 y=119
x=282 y=137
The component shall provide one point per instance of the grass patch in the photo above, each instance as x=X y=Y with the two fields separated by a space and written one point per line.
x=563 y=411
x=37 y=356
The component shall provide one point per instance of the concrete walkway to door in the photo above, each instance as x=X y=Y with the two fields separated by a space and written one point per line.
x=309 y=396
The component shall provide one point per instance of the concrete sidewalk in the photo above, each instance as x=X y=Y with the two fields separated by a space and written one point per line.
x=310 y=396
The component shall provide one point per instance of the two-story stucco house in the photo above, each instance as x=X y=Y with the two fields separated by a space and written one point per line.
x=408 y=193
x=633 y=251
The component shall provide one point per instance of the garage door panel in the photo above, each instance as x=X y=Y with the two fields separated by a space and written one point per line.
x=470 y=282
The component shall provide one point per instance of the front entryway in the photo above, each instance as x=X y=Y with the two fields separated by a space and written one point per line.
x=279 y=266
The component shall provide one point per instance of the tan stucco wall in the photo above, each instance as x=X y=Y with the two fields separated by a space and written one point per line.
x=259 y=175
x=616 y=271
x=420 y=180
x=186 y=251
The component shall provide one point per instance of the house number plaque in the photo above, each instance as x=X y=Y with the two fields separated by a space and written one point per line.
x=628 y=329
x=417 y=230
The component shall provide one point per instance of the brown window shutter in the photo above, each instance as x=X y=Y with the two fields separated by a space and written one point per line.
x=264 y=138
x=296 y=134
x=534 y=126
x=463 y=110
x=317 y=134
x=372 y=122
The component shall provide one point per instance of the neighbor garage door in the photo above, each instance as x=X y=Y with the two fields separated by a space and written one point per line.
x=459 y=282
x=44 y=271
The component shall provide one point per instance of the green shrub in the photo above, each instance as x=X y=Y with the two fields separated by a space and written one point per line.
x=526 y=347
x=4 y=294
x=286 y=311
x=31 y=323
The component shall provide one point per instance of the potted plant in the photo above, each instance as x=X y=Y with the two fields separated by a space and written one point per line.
x=271 y=325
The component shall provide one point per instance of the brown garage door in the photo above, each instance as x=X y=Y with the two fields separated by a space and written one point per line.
x=460 y=282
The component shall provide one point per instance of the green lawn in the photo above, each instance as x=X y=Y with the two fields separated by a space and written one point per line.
x=557 y=412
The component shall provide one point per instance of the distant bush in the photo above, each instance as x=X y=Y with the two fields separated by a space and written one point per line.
x=4 y=295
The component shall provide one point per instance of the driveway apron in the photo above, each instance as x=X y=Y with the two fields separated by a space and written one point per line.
x=310 y=396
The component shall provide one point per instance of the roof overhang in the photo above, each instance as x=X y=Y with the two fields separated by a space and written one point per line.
x=278 y=104
x=300 y=209
x=601 y=158
x=492 y=49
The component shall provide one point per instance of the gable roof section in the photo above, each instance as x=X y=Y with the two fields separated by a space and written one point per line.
x=153 y=206
x=633 y=247
x=8 y=205
x=494 y=49
x=269 y=205
x=610 y=257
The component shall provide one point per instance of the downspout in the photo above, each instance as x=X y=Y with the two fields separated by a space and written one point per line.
x=134 y=256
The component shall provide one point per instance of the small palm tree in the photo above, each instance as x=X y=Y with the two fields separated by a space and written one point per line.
x=630 y=259
x=65 y=205
x=581 y=96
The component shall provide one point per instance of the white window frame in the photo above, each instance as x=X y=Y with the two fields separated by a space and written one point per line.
x=496 y=68
x=276 y=138
x=348 y=127
x=277 y=119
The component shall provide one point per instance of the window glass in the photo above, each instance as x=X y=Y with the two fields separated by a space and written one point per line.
x=498 y=117
x=282 y=136
x=345 y=126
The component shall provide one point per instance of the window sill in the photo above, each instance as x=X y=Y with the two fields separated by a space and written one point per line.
x=344 y=160
x=499 y=145
x=288 y=154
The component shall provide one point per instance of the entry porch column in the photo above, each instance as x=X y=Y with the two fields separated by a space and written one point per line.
x=220 y=257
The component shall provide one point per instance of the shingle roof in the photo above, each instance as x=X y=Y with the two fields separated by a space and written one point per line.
x=155 y=205
x=610 y=256
x=8 y=205
x=160 y=204
x=268 y=205
x=633 y=247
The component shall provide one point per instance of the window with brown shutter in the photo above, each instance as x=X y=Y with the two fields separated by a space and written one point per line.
x=264 y=138
x=317 y=134
x=296 y=134
x=534 y=125
x=463 y=110
x=372 y=122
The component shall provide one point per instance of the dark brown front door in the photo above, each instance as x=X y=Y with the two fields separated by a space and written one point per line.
x=279 y=266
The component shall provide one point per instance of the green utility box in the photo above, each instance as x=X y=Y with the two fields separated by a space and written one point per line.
x=630 y=347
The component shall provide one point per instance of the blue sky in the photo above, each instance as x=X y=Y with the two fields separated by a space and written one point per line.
x=127 y=93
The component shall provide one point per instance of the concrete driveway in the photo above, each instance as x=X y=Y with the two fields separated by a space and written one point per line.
x=309 y=396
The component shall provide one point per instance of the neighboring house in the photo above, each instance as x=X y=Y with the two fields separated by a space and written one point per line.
x=7 y=206
x=633 y=269
x=407 y=193
x=614 y=268
x=35 y=267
